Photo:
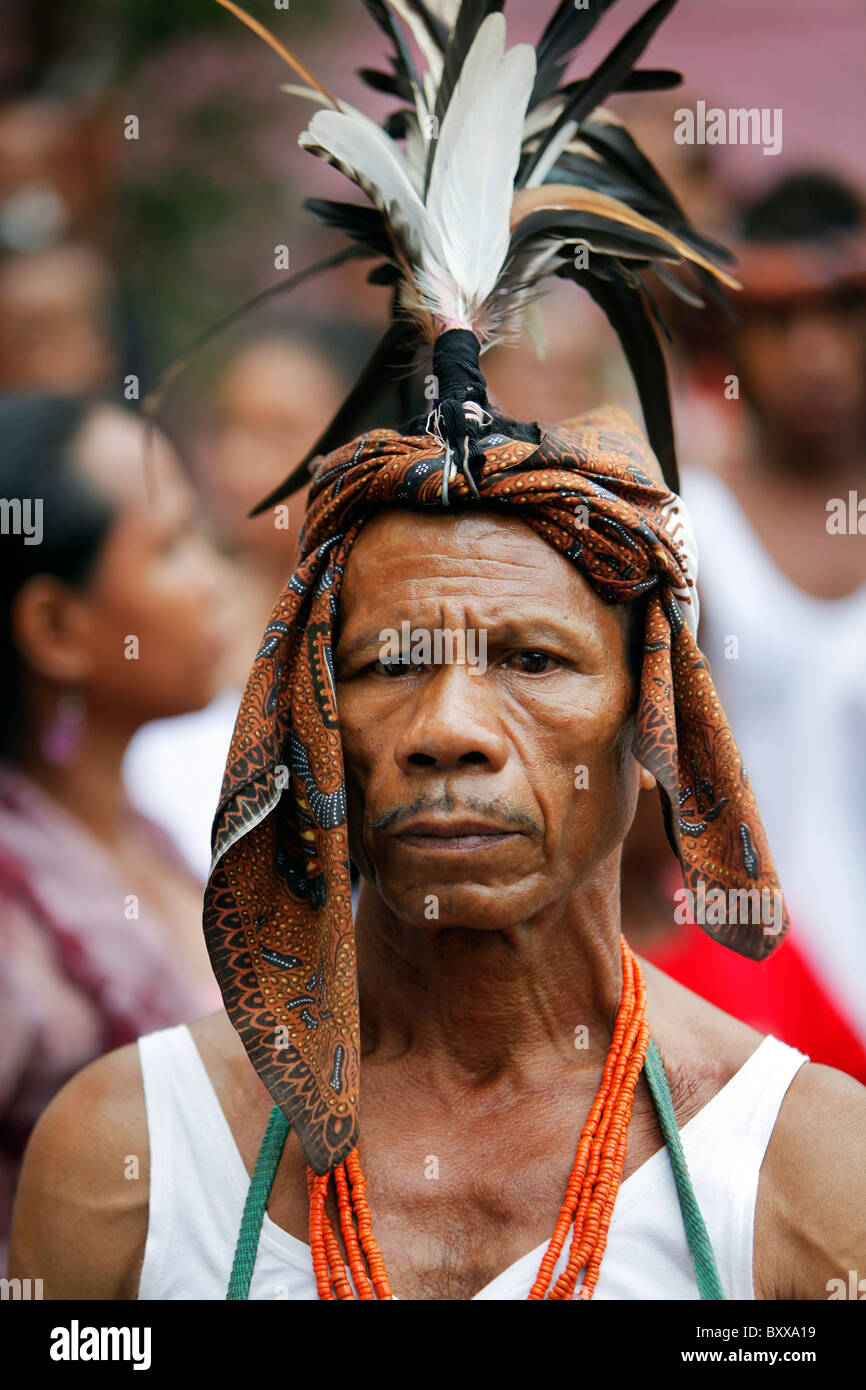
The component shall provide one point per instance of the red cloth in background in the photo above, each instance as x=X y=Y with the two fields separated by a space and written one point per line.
x=782 y=995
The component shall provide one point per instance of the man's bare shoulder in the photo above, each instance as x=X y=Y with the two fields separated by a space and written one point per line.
x=813 y=1185
x=81 y=1212
x=80 y=1216
x=810 y=1218
x=701 y=1046
x=243 y=1098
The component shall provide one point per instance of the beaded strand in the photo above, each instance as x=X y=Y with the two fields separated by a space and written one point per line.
x=589 y=1196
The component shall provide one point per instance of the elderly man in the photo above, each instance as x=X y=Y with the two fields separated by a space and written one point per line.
x=487 y=804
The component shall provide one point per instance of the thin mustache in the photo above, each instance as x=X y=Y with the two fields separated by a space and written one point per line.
x=491 y=810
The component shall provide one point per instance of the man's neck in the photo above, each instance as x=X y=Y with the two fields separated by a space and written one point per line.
x=475 y=1005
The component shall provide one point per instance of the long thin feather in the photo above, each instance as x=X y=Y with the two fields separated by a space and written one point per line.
x=617 y=146
x=615 y=180
x=179 y=364
x=677 y=288
x=392 y=353
x=285 y=53
x=567 y=28
x=572 y=226
x=631 y=323
x=424 y=19
x=402 y=60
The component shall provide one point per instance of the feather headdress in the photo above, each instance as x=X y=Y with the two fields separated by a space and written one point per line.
x=492 y=175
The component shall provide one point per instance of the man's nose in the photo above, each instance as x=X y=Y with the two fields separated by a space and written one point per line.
x=451 y=724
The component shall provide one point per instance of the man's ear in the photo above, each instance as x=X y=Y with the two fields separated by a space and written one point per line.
x=51 y=629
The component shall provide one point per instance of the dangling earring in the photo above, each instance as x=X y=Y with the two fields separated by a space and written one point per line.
x=63 y=735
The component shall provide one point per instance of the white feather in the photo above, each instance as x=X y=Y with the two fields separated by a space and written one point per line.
x=476 y=159
x=371 y=159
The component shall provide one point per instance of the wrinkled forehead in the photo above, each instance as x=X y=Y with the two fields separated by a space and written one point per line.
x=482 y=556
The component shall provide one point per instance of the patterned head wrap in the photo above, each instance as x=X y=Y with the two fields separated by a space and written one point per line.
x=278 y=909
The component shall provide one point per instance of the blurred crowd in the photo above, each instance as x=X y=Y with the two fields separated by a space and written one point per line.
x=128 y=630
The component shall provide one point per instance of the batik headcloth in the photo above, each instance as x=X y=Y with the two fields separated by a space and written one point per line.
x=278 y=908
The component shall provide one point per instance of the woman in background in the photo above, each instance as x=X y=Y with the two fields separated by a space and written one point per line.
x=110 y=615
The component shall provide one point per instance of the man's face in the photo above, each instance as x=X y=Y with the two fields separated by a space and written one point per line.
x=803 y=363
x=477 y=797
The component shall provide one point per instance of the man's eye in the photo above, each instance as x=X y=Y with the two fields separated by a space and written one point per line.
x=400 y=667
x=533 y=663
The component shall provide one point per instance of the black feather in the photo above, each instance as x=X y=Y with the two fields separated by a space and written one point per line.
x=401 y=58
x=559 y=222
x=651 y=80
x=633 y=326
x=676 y=287
x=355 y=220
x=388 y=82
x=615 y=144
x=641 y=80
x=394 y=352
x=654 y=309
x=589 y=173
x=175 y=368
x=604 y=80
x=585 y=172
x=432 y=23
x=619 y=149
x=566 y=29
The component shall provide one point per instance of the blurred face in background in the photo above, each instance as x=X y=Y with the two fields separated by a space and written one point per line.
x=802 y=363
x=156 y=578
x=54 y=166
x=55 y=321
x=141 y=637
x=273 y=402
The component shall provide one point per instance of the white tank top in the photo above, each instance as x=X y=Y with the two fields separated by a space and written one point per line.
x=198 y=1186
x=794 y=690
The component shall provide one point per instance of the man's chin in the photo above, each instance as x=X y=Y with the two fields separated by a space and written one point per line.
x=479 y=906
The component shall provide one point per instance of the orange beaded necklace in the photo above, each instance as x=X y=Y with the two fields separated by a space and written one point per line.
x=589 y=1196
